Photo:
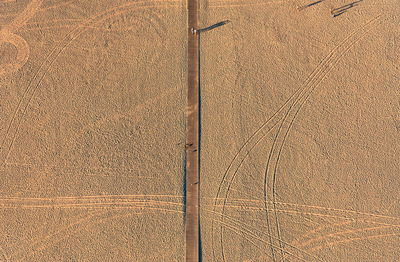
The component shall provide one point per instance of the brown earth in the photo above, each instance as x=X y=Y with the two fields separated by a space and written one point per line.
x=300 y=132
x=300 y=128
x=92 y=130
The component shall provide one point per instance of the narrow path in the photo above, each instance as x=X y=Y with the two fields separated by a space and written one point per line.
x=192 y=139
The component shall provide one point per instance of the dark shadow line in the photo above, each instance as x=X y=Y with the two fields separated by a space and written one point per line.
x=184 y=184
x=213 y=26
x=315 y=3
x=200 y=245
x=339 y=13
x=199 y=141
x=199 y=103
x=345 y=7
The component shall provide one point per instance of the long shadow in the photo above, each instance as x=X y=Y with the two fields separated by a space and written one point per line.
x=199 y=31
x=309 y=5
x=200 y=245
x=199 y=142
x=214 y=26
x=343 y=9
x=184 y=184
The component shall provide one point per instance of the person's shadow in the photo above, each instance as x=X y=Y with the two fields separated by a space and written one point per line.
x=306 y=6
x=343 y=9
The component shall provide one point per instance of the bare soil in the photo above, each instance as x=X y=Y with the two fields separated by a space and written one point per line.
x=300 y=130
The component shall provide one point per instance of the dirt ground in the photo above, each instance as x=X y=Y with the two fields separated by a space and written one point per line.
x=300 y=130
x=92 y=103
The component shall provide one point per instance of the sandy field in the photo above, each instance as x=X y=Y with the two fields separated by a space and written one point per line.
x=300 y=130
x=92 y=126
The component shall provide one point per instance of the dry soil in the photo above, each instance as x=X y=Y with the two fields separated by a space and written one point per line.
x=300 y=130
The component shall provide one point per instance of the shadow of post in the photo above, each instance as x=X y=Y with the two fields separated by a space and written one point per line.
x=343 y=9
x=309 y=5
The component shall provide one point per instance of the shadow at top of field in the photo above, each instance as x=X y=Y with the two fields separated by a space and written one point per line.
x=343 y=9
x=309 y=5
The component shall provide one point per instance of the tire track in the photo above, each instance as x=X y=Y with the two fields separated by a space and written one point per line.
x=54 y=240
x=315 y=213
x=100 y=199
x=254 y=236
x=70 y=37
x=301 y=212
x=330 y=237
x=296 y=96
x=317 y=230
x=257 y=137
x=313 y=84
x=236 y=3
x=363 y=214
x=30 y=243
x=88 y=197
x=310 y=242
x=245 y=229
x=349 y=219
x=93 y=218
x=353 y=239
x=7 y=35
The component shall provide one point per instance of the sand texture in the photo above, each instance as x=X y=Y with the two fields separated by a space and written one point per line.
x=300 y=133
x=92 y=128
x=298 y=141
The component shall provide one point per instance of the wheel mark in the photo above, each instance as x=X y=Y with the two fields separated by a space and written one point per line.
x=318 y=77
x=126 y=8
x=57 y=240
x=290 y=211
x=254 y=236
x=229 y=4
x=341 y=233
x=310 y=78
x=7 y=35
x=353 y=239
x=243 y=228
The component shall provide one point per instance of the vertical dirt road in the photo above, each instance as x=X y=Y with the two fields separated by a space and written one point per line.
x=192 y=139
